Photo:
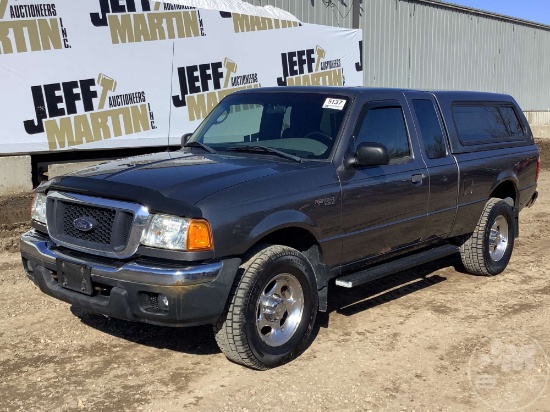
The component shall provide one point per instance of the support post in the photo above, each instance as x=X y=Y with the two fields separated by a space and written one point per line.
x=355 y=13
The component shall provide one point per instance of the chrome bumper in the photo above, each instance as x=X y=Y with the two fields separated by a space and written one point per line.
x=196 y=294
x=37 y=246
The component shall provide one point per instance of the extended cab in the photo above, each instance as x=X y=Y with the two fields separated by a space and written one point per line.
x=278 y=194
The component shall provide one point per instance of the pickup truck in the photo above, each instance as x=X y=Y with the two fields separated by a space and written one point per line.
x=280 y=195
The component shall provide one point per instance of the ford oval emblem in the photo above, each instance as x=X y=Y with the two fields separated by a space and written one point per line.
x=83 y=224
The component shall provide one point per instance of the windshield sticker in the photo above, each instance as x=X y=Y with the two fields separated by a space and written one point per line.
x=337 y=104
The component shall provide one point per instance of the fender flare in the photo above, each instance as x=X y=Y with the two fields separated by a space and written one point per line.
x=282 y=219
x=507 y=176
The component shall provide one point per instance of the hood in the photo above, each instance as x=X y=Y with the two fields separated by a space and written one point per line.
x=182 y=176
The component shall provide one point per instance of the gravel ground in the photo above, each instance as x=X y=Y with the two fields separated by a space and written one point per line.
x=431 y=339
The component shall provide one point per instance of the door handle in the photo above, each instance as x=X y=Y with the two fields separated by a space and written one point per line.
x=417 y=179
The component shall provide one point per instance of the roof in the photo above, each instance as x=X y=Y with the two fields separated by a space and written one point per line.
x=352 y=91
x=485 y=13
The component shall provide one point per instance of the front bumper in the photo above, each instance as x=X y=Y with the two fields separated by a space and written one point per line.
x=197 y=293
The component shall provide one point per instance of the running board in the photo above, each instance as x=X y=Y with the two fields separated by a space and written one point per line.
x=394 y=266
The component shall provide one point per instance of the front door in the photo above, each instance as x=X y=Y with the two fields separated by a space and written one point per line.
x=384 y=207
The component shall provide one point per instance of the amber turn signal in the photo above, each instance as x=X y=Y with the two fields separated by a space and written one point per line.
x=199 y=236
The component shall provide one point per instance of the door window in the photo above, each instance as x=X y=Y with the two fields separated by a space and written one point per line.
x=386 y=125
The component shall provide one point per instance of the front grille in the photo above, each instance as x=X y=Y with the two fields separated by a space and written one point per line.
x=128 y=223
x=104 y=228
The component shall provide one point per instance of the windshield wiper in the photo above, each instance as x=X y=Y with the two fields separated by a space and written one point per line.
x=200 y=145
x=264 y=149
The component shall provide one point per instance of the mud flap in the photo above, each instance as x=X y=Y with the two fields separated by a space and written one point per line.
x=323 y=299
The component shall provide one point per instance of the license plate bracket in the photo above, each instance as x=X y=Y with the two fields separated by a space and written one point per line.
x=74 y=276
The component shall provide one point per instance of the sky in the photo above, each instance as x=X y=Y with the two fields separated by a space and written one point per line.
x=534 y=10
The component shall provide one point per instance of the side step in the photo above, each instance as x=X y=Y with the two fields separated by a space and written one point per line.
x=394 y=266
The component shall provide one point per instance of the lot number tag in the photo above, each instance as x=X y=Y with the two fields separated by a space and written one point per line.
x=337 y=104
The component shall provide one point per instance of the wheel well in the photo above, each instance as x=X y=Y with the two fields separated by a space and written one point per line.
x=504 y=190
x=294 y=237
x=304 y=241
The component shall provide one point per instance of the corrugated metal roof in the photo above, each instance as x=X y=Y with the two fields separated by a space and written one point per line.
x=485 y=13
x=339 y=13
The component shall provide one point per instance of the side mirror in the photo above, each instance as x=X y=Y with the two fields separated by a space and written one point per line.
x=185 y=138
x=371 y=154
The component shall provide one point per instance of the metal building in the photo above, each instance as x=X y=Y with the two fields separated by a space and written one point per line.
x=429 y=44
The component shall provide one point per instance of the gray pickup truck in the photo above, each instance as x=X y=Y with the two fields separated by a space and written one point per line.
x=278 y=196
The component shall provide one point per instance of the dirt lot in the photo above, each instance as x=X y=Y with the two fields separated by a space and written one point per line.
x=408 y=343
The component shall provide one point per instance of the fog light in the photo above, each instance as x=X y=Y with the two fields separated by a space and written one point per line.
x=163 y=302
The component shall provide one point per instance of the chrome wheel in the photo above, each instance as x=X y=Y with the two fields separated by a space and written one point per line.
x=498 y=238
x=271 y=309
x=279 y=309
x=487 y=250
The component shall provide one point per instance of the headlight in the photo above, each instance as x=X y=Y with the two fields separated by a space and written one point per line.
x=177 y=233
x=38 y=209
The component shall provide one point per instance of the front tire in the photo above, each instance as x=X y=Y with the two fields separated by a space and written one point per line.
x=488 y=249
x=271 y=309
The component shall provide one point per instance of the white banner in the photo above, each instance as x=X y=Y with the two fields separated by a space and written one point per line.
x=111 y=74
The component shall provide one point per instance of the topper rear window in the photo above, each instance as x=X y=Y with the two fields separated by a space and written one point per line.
x=481 y=123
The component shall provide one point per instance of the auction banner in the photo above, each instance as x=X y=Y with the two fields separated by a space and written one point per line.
x=100 y=74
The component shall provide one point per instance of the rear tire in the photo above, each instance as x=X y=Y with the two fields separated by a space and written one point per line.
x=488 y=249
x=271 y=309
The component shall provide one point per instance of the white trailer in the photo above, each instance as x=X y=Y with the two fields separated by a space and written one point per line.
x=100 y=78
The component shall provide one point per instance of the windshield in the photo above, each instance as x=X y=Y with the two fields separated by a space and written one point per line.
x=300 y=124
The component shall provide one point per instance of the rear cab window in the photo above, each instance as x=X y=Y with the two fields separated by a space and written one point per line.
x=430 y=129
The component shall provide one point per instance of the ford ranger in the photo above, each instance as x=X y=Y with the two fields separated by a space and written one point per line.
x=278 y=195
